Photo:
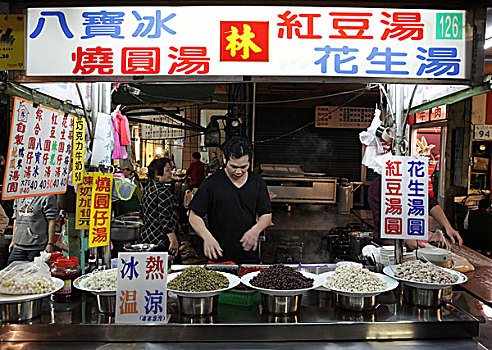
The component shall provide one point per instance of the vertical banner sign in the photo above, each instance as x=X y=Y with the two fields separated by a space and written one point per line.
x=404 y=198
x=12 y=42
x=40 y=151
x=84 y=197
x=141 y=288
x=100 y=222
x=78 y=150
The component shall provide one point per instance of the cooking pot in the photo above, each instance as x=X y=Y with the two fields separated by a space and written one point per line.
x=124 y=231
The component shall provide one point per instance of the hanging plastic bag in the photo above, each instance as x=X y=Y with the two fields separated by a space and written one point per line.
x=375 y=147
x=24 y=277
x=123 y=188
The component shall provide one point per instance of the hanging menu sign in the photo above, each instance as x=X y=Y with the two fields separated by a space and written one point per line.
x=40 y=151
x=84 y=196
x=100 y=214
x=142 y=288
x=78 y=151
x=344 y=117
x=404 y=198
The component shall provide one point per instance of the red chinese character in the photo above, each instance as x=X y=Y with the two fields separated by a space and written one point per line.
x=64 y=122
x=393 y=186
x=140 y=60
x=27 y=172
x=393 y=206
x=57 y=172
x=61 y=147
x=91 y=59
x=14 y=175
x=128 y=300
x=63 y=134
x=12 y=187
x=101 y=201
x=54 y=117
x=21 y=127
x=392 y=168
x=53 y=131
x=31 y=143
x=87 y=180
x=85 y=191
x=351 y=22
x=405 y=25
x=100 y=217
x=190 y=60
x=154 y=268
x=29 y=157
x=100 y=235
x=393 y=226
x=70 y=134
x=289 y=23
x=103 y=184
x=39 y=114
x=244 y=41
x=59 y=159
x=47 y=145
x=37 y=129
x=47 y=172
x=46 y=157
x=19 y=139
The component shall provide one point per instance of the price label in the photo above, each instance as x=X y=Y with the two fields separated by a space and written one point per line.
x=449 y=25
x=483 y=132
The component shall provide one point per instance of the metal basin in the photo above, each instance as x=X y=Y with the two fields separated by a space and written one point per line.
x=281 y=305
x=196 y=306
x=124 y=231
x=20 y=311
x=422 y=297
x=106 y=304
x=355 y=303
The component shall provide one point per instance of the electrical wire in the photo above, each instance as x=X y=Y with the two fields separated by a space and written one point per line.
x=367 y=88
x=250 y=102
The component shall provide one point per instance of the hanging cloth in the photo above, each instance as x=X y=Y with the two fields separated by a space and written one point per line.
x=119 y=152
x=123 y=128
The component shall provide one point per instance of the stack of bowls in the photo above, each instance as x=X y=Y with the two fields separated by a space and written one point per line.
x=387 y=255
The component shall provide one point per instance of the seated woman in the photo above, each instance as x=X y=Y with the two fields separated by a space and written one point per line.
x=158 y=209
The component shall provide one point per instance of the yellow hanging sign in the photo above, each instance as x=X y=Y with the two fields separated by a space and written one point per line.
x=84 y=197
x=78 y=150
x=12 y=42
x=100 y=222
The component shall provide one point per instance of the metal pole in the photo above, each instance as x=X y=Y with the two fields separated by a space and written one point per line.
x=253 y=117
x=398 y=99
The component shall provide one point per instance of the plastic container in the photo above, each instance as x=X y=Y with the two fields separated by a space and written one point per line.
x=67 y=269
x=239 y=298
x=53 y=257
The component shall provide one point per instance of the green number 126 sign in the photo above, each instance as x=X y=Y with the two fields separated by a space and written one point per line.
x=449 y=26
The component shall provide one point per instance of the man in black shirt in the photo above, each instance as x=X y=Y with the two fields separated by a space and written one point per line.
x=479 y=236
x=232 y=199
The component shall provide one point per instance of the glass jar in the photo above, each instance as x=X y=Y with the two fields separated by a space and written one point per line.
x=66 y=268
x=53 y=257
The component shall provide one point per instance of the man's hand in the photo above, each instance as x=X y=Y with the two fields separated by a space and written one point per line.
x=173 y=244
x=250 y=240
x=454 y=235
x=11 y=246
x=211 y=248
x=49 y=248
x=413 y=244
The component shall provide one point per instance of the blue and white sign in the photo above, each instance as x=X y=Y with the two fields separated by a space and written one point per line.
x=404 y=197
x=249 y=40
x=141 y=295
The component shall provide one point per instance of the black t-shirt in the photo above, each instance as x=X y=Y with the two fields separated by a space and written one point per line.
x=231 y=211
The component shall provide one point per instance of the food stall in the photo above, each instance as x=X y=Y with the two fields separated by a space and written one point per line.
x=317 y=312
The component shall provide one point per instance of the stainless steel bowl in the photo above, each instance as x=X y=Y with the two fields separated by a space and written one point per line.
x=422 y=297
x=196 y=306
x=281 y=305
x=355 y=303
x=106 y=304
x=142 y=247
x=20 y=311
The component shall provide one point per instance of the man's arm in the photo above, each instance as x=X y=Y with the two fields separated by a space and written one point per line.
x=437 y=213
x=51 y=235
x=211 y=247
x=250 y=238
x=11 y=246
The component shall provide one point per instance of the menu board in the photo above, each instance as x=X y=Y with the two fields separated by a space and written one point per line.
x=40 y=151
x=156 y=132
x=344 y=117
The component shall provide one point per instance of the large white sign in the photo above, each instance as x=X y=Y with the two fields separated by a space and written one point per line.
x=404 y=198
x=40 y=151
x=249 y=40
x=141 y=295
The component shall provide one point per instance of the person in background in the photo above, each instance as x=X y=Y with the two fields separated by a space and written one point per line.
x=133 y=204
x=158 y=209
x=237 y=206
x=435 y=210
x=196 y=171
x=214 y=164
x=479 y=235
x=4 y=219
x=34 y=227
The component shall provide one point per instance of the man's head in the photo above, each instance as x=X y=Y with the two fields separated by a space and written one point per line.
x=237 y=154
x=484 y=204
x=128 y=172
x=196 y=155
x=160 y=170
x=213 y=155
